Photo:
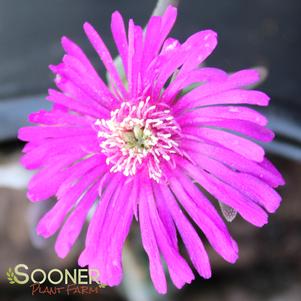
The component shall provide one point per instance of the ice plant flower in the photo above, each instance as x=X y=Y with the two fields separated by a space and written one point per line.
x=147 y=148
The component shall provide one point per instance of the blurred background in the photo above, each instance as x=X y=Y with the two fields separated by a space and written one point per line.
x=265 y=33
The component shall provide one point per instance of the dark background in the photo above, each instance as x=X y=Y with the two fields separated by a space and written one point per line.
x=251 y=33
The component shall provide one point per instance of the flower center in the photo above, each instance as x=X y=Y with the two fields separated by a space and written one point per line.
x=139 y=138
x=139 y=135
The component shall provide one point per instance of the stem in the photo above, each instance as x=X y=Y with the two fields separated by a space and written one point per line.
x=162 y=5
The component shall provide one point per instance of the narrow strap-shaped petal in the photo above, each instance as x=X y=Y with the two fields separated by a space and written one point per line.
x=79 y=107
x=151 y=39
x=166 y=63
x=40 y=188
x=47 y=150
x=157 y=31
x=191 y=239
x=105 y=56
x=186 y=79
x=78 y=86
x=134 y=59
x=119 y=34
x=244 y=127
x=110 y=182
x=184 y=57
x=108 y=258
x=249 y=185
x=235 y=96
x=131 y=53
x=91 y=85
x=236 y=80
x=204 y=215
x=166 y=217
x=54 y=218
x=90 y=139
x=71 y=229
x=268 y=165
x=77 y=171
x=74 y=50
x=248 y=209
x=151 y=246
x=119 y=229
x=233 y=160
x=224 y=112
x=35 y=133
x=167 y=22
x=200 y=46
x=240 y=145
x=178 y=268
x=176 y=58
x=58 y=117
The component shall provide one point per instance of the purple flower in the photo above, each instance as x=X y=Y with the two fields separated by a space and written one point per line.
x=142 y=147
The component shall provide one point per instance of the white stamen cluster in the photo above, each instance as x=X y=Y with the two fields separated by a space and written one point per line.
x=139 y=135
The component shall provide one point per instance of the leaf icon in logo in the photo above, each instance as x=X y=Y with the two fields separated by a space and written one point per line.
x=10 y=276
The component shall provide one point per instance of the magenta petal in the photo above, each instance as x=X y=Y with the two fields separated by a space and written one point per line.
x=169 y=49
x=72 y=80
x=111 y=270
x=167 y=22
x=54 y=218
x=151 y=40
x=57 y=117
x=94 y=230
x=234 y=81
x=75 y=51
x=46 y=150
x=74 y=223
x=234 y=161
x=186 y=79
x=204 y=215
x=44 y=154
x=77 y=171
x=192 y=241
x=240 y=145
x=244 y=78
x=266 y=164
x=194 y=99
x=36 y=133
x=40 y=188
x=175 y=59
x=105 y=56
x=179 y=270
x=244 y=127
x=119 y=34
x=248 y=209
x=151 y=247
x=166 y=218
x=200 y=45
x=121 y=222
x=223 y=112
x=249 y=185
x=61 y=99
x=82 y=78
x=135 y=56
x=112 y=236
